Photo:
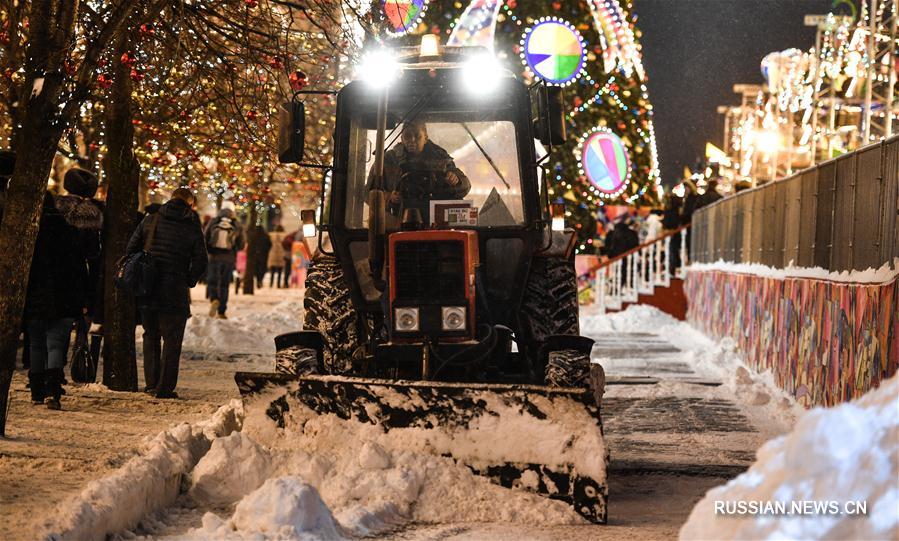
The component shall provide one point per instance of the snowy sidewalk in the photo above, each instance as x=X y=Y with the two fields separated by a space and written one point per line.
x=50 y=455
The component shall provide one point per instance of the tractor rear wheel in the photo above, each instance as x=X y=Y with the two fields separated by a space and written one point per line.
x=328 y=309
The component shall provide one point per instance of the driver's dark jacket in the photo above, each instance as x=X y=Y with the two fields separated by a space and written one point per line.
x=432 y=158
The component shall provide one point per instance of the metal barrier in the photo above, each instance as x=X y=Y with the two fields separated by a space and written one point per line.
x=840 y=215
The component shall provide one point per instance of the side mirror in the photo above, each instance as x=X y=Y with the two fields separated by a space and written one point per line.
x=291 y=132
x=549 y=122
x=308 y=218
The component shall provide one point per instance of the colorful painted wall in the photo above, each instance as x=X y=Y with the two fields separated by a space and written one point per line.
x=826 y=342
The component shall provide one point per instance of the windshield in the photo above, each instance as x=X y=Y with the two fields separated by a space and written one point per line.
x=457 y=168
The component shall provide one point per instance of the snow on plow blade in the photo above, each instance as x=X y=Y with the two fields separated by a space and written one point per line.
x=543 y=439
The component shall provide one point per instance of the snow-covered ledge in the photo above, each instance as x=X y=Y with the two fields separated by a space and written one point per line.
x=827 y=337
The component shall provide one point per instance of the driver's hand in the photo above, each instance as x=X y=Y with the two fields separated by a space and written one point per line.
x=395 y=198
x=452 y=178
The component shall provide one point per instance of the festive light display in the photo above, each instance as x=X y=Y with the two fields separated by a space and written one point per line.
x=553 y=50
x=604 y=161
x=403 y=15
x=610 y=93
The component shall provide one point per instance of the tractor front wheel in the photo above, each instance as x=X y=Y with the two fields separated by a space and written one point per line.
x=328 y=309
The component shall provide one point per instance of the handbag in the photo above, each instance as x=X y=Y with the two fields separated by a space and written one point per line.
x=136 y=272
x=84 y=367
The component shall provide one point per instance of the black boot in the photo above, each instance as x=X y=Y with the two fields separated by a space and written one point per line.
x=54 y=388
x=36 y=381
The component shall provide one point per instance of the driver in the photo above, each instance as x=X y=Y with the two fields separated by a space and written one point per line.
x=418 y=171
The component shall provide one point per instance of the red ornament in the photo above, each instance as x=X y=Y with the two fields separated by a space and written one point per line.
x=251 y=115
x=129 y=59
x=276 y=62
x=298 y=80
x=136 y=76
x=103 y=81
x=578 y=101
x=557 y=6
x=251 y=3
x=93 y=147
x=512 y=4
x=147 y=29
x=152 y=185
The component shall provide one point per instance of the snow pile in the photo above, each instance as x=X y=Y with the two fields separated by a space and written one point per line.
x=282 y=508
x=144 y=484
x=886 y=273
x=250 y=328
x=234 y=465
x=849 y=453
x=370 y=481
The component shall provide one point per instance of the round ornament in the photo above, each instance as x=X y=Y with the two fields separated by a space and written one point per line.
x=403 y=15
x=554 y=51
x=604 y=161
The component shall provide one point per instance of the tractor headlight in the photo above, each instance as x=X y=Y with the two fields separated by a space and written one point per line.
x=453 y=318
x=481 y=73
x=378 y=68
x=405 y=319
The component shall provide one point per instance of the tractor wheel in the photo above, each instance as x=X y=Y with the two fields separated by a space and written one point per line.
x=328 y=309
x=296 y=361
x=568 y=368
x=549 y=305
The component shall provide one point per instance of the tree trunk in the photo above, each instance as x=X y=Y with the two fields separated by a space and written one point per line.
x=41 y=131
x=122 y=178
x=249 y=282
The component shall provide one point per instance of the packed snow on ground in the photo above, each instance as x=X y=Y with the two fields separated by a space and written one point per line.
x=146 y=483
x=333 y=478
x=886 y=273
x=253 y=322
x=848 y=453
x=708 y=358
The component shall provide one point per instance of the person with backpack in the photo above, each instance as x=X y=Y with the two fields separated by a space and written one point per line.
x=174 y=241
x=224 y=238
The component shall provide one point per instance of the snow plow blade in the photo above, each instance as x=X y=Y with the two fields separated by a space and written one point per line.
x=546 y=440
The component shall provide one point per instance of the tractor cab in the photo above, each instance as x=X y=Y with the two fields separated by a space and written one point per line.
x=436 y=213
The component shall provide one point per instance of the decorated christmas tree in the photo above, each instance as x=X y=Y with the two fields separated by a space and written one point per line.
x=591 y=48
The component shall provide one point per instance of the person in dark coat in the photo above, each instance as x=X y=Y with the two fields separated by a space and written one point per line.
x=710 y=196
x=670 y=222
x=261 y=246
x=287 y=244
x=56 y=295
x=620 y=240
x=85 y=214
x=224 y=238
x=179 y=256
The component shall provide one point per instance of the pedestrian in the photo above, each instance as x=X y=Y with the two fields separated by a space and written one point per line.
x=651 y=228
x=287 y=244
x=276 y=256
x=55 y=297
x=85 y=213
x=620 y=240
x=261 y=247
x=175 y=241
x=710 y=196
x=224 y=238
x=671 y=221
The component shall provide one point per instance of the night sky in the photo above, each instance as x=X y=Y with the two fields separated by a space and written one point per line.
x=694 y=51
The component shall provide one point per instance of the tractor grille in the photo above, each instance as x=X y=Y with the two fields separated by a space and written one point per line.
x=430 y=270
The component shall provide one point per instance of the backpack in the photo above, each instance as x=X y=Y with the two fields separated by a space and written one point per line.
x=222 y=235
